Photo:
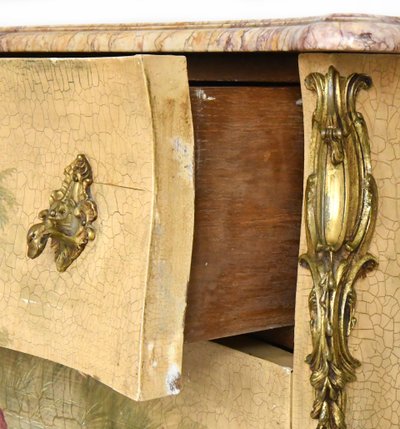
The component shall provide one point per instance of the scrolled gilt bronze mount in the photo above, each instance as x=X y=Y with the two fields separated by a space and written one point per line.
x=68 y=221
x=340 y=212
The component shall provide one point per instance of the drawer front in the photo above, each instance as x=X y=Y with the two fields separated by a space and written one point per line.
x=116 y=313
x=223 y=388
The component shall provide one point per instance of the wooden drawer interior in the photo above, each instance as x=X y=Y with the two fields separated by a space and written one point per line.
x=249 y=164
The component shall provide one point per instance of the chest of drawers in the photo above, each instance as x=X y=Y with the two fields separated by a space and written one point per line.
x=251 y=112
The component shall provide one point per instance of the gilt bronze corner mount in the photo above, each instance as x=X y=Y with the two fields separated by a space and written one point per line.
x=68 y=220
x=340 y=211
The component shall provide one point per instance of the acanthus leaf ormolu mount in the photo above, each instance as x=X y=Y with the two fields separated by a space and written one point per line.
x=68 y=221
x=340 y=213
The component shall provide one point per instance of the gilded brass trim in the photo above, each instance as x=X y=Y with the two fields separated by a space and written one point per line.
x=340 y=212
x=68 y=221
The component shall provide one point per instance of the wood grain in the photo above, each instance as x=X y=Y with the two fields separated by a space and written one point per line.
x=374 y=399
x=279 y=337
x=249 y=166
x=117 y=312
x=275 y=67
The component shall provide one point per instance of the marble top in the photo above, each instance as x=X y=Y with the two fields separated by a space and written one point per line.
x=342 y=33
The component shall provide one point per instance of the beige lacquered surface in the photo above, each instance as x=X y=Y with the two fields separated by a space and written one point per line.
x=245 y=388
x=373 y=400
x=117 y=312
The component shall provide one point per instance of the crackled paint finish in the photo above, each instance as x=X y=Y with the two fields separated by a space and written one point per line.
x=332 y=32
x=374 y=399
x=7 y=198
x=222 y=389
x=99 y=316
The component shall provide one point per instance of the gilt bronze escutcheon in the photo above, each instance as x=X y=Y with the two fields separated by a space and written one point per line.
x=68 y=220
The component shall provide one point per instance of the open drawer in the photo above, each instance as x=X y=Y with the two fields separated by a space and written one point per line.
x=102 y=148
x=117 y=312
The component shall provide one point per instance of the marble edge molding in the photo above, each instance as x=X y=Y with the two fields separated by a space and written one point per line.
x=340 y=33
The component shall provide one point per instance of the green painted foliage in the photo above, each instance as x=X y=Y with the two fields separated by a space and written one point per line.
x=7 y=199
